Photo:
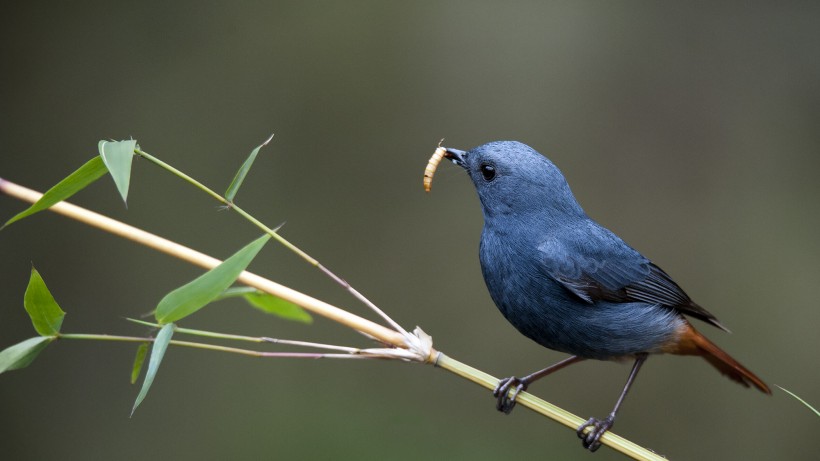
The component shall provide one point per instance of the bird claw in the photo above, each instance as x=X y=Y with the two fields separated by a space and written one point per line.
x=505 y=400
x=591 y=439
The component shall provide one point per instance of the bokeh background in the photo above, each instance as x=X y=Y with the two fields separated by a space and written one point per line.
x=689 y=128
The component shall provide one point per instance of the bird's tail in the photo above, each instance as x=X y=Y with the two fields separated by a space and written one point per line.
x=695 y=343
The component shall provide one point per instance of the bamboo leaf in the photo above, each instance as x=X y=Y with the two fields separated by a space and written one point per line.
x=800 y=400
x=138 y=361
x=277 y=306
x=73 y=183
x=243 y=171
x=43 y=310
x=117 y=156
x=22 y=354
x=267 y=303
x=157 y=353
x=194 y=295
x=235 y=292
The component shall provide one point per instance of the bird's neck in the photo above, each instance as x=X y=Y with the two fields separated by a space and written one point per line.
x=530 y=224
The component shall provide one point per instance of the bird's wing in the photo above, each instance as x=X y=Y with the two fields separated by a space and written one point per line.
x=604 y=268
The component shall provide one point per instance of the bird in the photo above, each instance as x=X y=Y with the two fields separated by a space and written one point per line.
x=572 y=285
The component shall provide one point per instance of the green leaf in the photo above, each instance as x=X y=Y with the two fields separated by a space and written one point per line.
x=138 y=361
x=243 y=171
x=235 y=292
x=267 y=303
x=277 y=306
x=44 y=311
x=800 y=400
x=64 y=189
x=22 y=354
x=117 y=156
x=194 y=295
x=157 y=353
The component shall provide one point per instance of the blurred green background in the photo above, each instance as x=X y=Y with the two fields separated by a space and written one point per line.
x=689 y=128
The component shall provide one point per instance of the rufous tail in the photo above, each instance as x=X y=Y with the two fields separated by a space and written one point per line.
x=692 y=342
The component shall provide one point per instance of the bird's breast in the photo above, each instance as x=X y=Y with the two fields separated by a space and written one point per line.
x=546 y=312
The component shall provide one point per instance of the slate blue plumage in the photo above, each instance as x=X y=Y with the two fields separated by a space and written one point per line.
x=570 y=284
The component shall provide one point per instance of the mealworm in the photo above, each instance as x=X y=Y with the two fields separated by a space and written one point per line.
x=432 y=164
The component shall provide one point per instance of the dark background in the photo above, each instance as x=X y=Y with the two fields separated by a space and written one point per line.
x=689 y=128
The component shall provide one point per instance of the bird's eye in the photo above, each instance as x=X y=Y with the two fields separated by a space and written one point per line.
x=488 y=171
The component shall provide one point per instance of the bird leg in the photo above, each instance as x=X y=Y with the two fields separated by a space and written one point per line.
x=591 y=439
x=506 y=400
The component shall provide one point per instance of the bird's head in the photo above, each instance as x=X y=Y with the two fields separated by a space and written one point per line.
x=512 y=179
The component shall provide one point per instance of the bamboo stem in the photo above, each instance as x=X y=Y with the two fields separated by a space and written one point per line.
x=302 y=254
x=252 y=339
x=210 y=347
x=150 y=240
x=545 y=408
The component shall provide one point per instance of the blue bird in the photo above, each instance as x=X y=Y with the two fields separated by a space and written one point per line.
x=570 y=284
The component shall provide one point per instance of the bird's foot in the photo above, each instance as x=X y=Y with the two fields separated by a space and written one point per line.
x=505 y=399
x=591 y=439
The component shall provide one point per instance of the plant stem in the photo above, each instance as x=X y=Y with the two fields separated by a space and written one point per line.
x=95 y=337
x=228 y=204
x=253 y=339
x=176 y=250
x=181 y=175
x=545 y=408
x=309 y=259
x=203 y=333
x=211 y=347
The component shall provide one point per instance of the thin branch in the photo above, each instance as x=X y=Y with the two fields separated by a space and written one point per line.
x=302 y=254
x=545 y=408
x=202 y=260
x=252 y=339
x=214 y=347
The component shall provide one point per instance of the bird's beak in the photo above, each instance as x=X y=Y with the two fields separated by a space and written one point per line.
x=459 y=157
